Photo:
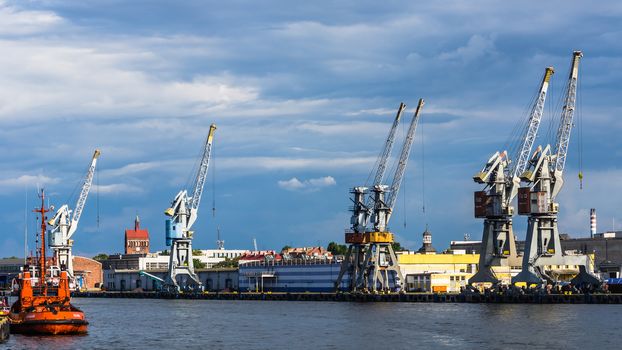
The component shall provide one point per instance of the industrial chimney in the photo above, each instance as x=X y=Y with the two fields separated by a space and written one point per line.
x=592 y=222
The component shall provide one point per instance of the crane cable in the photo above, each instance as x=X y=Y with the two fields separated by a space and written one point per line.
x=213 y=183
x=97 y=194
x=404 y=182
x=425 y=218
x=580 y=133
x=515 y=139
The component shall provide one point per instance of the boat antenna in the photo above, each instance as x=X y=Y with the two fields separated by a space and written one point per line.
x=26 y=225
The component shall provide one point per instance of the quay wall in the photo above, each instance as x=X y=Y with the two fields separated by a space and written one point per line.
x=392 y=297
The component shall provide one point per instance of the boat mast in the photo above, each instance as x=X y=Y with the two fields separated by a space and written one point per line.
x=42 y=268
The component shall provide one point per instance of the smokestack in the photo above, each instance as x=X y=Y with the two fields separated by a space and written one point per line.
x=592 y=222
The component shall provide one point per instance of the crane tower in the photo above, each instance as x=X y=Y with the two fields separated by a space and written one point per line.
x=370 y=260
x=183 y=213
x=544 y=177
x=494 y=203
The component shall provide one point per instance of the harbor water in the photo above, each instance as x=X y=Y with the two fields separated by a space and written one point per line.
x=217 y=324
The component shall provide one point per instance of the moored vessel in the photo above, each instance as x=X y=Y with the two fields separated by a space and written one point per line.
x=44 y=303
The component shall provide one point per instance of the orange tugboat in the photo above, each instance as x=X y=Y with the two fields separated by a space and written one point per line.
x=43 y=307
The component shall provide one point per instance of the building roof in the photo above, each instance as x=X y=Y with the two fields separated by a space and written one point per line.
x=137 y=232
x=260 y=256
x=83 y=258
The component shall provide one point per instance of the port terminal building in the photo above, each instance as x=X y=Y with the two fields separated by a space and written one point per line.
x=604 y=248
x=446 y=272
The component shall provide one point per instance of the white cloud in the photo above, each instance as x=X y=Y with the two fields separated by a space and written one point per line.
x=116 y=189
x=103 y=80
x=285 y=163
x=359 y=128
x=309 y=185
x=22 y=22
x=477 y=47
x=291 y=184
x=27 y=180
x=132 y=168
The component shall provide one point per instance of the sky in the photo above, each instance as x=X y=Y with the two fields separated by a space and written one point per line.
x=303 y=95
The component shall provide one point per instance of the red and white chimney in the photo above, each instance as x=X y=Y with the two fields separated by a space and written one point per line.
x=592 y=222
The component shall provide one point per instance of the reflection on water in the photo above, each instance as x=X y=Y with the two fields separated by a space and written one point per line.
x=194 y=324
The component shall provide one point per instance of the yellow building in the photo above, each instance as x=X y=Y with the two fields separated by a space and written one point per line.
x=436 y=272
x=440 y=273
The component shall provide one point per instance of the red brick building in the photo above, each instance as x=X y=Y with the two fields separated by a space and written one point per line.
x=88 y=272
x=137 y=240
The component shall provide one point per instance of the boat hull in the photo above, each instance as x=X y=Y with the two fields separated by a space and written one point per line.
x=48 y=323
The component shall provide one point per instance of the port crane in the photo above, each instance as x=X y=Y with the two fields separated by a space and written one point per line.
x=544 y=177
x=370 y=258
x=501 y=178
x=183 y=213
x=362 y=209
x=65 y=221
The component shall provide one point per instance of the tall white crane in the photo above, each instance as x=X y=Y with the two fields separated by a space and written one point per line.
x=494 y=203
x=544 y=177
x=183 y=213
x=362 y=207
x=370 y=260
x=65 y=221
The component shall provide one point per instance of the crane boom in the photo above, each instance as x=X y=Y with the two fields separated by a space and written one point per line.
x=532 y=128
x=388 y=146
x=64 y=223
x=522 y=158
x=401 y=166
x=565 y=125
x=202 y=172
x=84 y=193
x=362 y=206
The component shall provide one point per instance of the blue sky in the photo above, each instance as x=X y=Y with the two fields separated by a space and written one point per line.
x=303 y=96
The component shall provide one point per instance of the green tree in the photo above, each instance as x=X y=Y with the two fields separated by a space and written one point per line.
x=164 y=252
x=198 y=264
x=285 y=248
x=397 y=247
x=197 y=252
x=228 y=263
x=100 y=257
x=337 y=249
